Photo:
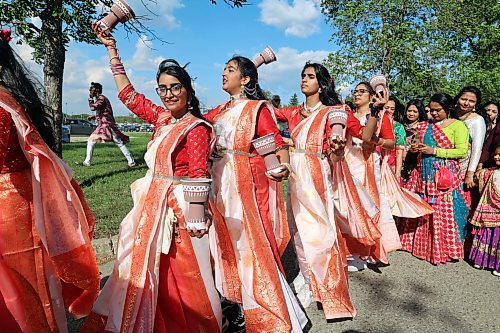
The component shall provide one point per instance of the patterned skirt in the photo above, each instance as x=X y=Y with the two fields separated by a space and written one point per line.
x=486 y=248
x=435 y=238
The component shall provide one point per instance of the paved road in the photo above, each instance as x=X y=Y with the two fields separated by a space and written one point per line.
x=410 y=296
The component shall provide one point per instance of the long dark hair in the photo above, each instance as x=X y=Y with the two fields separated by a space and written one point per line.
x=420 y=107
x=446 y=102
x=399 y=109
x=328 y=95
x=477 y=92
x=247 y=68
x=171 y=67
x=26 y=89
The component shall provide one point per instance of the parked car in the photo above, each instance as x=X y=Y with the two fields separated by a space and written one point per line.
x=66 y=130
x=147 y=128
x=80 y=127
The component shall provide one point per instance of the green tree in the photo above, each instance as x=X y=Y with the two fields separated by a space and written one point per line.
x=61 y=21
x=416 y=44
x=473 y=28
x=294 y=100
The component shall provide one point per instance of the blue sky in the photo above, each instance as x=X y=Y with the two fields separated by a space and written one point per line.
x=206 y=36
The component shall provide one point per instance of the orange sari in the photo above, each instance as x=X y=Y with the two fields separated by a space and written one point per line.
x=45 y=236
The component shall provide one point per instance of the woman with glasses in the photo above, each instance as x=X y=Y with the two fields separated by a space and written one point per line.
x=251 y=231
x=364 y=160
x=162 y=279
x=438 y=237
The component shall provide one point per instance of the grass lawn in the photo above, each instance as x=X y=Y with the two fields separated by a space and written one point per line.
x=106 y=183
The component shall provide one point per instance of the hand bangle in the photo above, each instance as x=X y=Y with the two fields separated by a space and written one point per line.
x=117 y=57
x=288 y=166
x=381 y=144
x=434 y=152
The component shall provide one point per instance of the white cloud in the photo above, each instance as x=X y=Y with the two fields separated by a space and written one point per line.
x=144 y=58
x=164 y=9
x=300 y=19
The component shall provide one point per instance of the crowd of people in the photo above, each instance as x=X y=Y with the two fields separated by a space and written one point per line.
x=398 y=178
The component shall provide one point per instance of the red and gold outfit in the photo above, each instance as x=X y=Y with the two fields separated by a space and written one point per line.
x=250 y=220
x=46 y=256
x=150 y=290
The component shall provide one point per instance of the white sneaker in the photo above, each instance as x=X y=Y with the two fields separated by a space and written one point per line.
x=356 y=264
x=87 y=164
x=496 y=273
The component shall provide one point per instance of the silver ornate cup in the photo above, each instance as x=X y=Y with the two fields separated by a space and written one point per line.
x=196 y=191
x=266 y=147
x=337 y=121
x=378 y=83
x=119 y=12
x=265 y=57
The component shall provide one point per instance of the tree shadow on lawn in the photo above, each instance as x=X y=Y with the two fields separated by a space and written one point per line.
x=89 y=181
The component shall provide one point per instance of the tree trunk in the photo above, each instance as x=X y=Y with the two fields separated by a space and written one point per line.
x=53 y=68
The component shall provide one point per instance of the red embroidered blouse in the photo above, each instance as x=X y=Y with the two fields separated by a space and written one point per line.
x=265 y=125
x=190 y=157
x=11 y=154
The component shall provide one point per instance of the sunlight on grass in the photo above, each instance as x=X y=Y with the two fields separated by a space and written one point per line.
x=106 y=183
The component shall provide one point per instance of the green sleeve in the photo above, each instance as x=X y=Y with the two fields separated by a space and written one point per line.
x=399 y=134
x=460 y=134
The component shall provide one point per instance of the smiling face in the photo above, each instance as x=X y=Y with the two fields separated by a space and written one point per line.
x=412 y=114
x=175 y=100
x=466 y=102
x=309 y=84
x=232 y=80
x=438 y=113
x=496 y=156
x=390 y=107
x=492 y=112
x=361 y=95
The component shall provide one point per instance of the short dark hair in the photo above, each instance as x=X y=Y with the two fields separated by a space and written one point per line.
x=97 y=86
x=276 y=97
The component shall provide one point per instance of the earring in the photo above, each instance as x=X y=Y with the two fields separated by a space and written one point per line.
x=242 y=89
x=320 y=90
x=190 y=107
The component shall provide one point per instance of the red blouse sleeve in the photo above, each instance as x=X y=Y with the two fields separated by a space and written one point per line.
x=198 y=149
x=284 y=114
x=266 y=125
x=386 y=129
x=353 y=126
x=143 y=107
x=5 y=126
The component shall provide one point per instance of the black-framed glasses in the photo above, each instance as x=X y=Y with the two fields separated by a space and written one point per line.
x=359 y=91
x=175 y=89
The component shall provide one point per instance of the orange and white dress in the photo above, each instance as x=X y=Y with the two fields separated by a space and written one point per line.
x=250 y=222
x=47 y=261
